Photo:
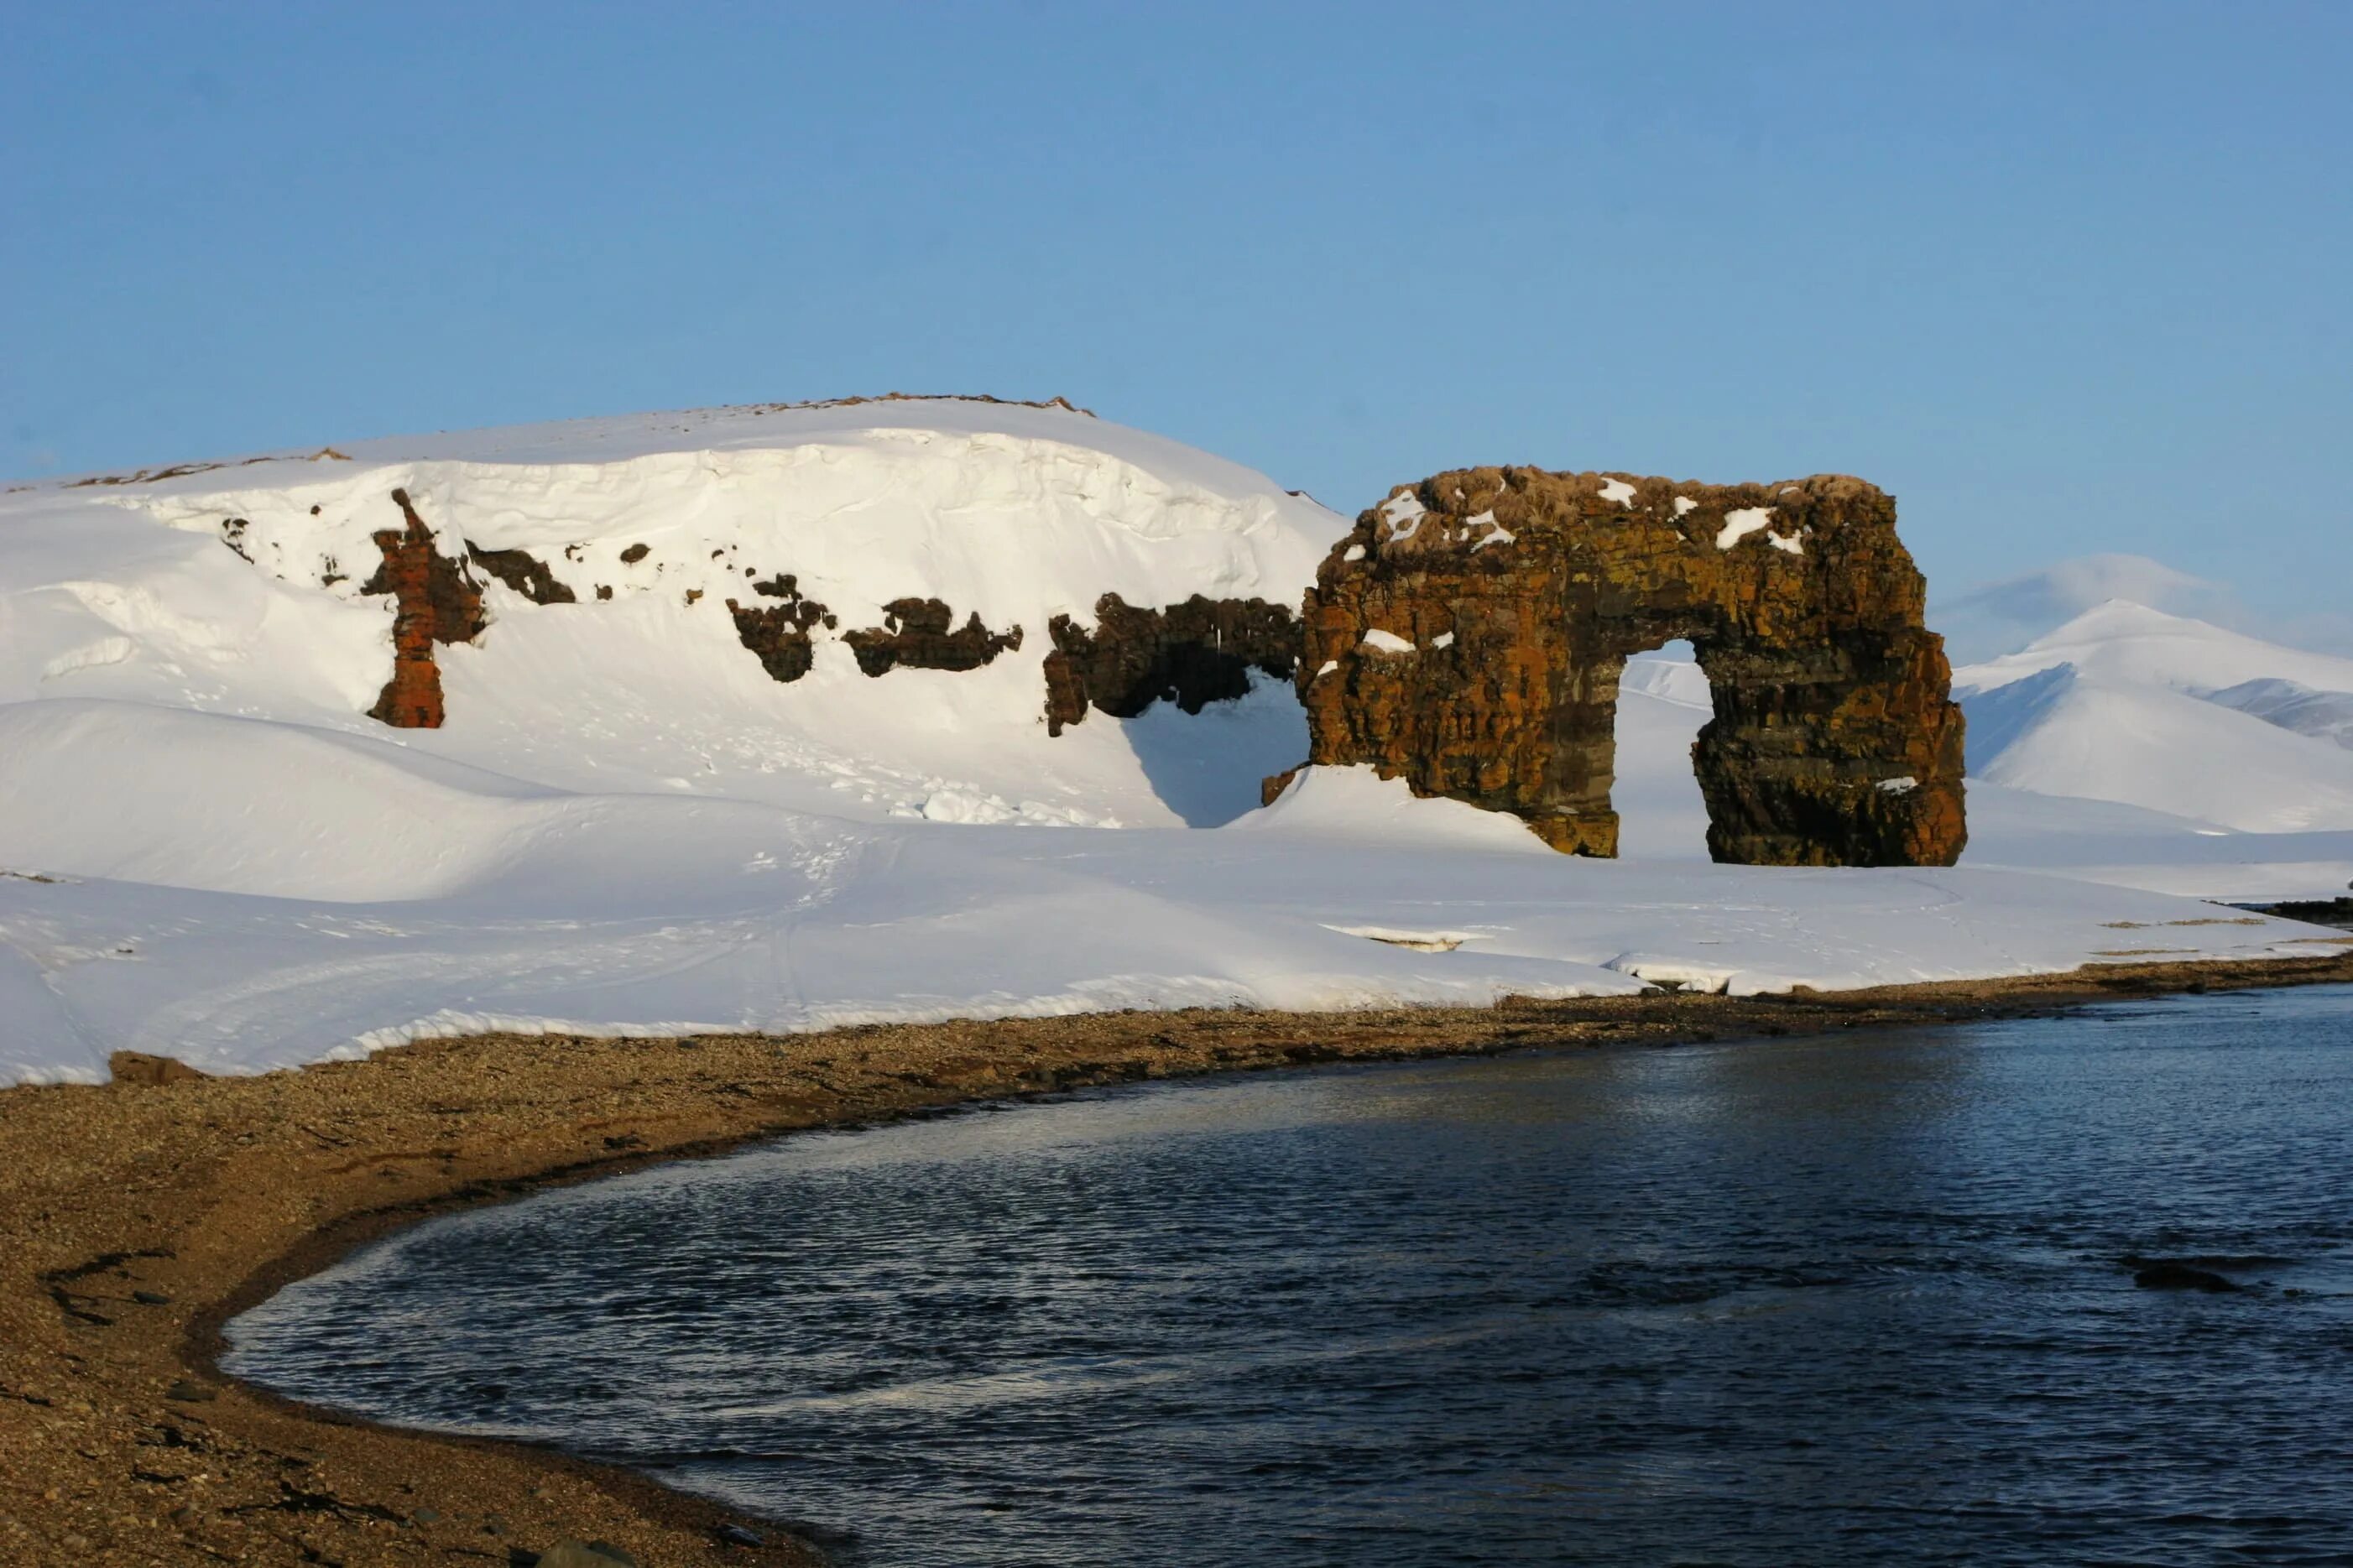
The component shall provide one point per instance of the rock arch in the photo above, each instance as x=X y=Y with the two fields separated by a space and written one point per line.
x=1469 y=635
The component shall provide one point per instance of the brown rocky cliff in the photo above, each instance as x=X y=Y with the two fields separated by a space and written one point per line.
x=1469 y=636
x=435 y=601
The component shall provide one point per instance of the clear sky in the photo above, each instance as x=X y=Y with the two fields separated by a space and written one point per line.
x=2068 y=279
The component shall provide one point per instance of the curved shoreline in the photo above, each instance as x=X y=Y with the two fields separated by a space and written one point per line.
x=138 y=1218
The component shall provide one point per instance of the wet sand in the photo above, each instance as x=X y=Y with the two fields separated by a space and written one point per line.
x=136 y=1218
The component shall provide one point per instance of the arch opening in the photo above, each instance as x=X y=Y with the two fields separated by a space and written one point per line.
x=1663 y=702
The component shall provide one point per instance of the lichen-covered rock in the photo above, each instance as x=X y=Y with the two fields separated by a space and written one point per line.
x=1469 y=636
x=914 y=633
x=1192 y=654
x=436 y=600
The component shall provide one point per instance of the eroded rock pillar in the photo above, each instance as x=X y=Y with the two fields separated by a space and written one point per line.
x=435 y=600
x=1579 y=817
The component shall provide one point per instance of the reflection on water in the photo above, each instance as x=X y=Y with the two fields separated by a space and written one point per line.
x=1858 y=1298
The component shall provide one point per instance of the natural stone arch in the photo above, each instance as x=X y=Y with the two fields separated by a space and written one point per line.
x=1469 y=636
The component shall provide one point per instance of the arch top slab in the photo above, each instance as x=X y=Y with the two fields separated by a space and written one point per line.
x=1467 y=636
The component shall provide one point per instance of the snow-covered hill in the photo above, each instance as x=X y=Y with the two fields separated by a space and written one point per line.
x=1016 y=514
x=2125 y=703
x=2218 y=761
x=209 y=850
x=2064 y=732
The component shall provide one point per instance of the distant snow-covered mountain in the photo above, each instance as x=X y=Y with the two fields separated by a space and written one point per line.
x=2122 y=640
x=2064 y=732
x=2129 y=704
x=1996 y=618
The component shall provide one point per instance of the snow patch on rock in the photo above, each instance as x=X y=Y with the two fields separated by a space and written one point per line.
x=1739 y=525
x=1403 y=513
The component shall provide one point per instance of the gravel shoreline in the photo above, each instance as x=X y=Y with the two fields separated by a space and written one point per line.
x=137 y=1218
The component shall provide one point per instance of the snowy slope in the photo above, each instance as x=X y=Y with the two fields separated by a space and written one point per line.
x=2293 y=706
x=208 y=852
x=627 y=915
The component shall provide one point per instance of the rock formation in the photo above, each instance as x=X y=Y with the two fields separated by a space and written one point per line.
x=524 y=572
x=779 y=634
x=914 y=633
x=1199 y=652
x=435 y=601
x=1469 y=636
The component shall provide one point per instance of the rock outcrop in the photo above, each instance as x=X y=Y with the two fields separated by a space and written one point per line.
x=1469 y=636
x=436 y=600
x=1192 y=654
x=779 y=634
x=524 y=572
x=915 y=633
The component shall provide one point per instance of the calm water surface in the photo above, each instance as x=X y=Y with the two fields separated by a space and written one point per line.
x=1855 y=1300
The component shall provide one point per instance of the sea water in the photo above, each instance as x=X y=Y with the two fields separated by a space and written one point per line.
x=1866 y=1298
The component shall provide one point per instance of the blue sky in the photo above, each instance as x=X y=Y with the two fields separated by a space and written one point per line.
x=2067 y=279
